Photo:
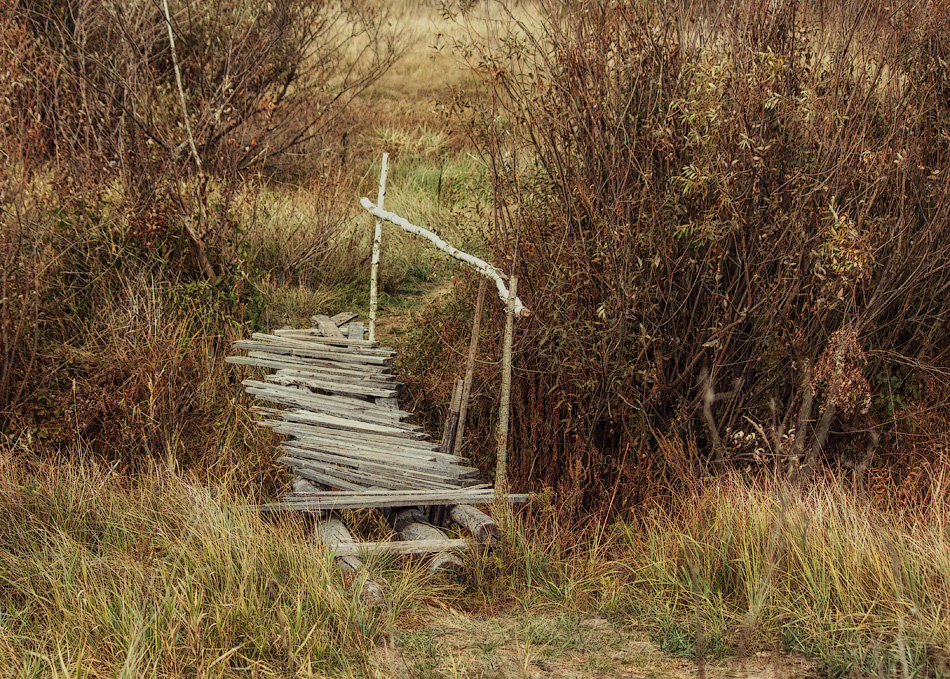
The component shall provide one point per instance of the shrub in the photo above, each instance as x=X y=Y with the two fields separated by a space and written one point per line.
x=732 y=224
x=244 y=86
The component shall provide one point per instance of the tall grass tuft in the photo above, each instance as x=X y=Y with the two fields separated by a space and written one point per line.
x=165 y=577
x=734 y=567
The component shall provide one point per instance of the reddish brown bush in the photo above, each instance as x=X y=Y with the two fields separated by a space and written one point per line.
x=705 y=203
x=247 y=85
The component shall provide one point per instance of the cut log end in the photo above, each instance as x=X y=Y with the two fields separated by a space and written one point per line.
x=476 y=522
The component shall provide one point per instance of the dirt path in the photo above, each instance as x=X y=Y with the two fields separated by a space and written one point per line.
x=396 y=320
x=449 y=644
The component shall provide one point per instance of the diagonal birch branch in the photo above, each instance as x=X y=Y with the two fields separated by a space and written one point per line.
x=480 y=265
x=181 y=89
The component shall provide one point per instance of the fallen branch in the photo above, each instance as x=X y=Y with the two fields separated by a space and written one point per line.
x=480 y=265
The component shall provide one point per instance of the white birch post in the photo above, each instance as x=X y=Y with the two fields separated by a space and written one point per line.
x=374 y=265
x=504 y=407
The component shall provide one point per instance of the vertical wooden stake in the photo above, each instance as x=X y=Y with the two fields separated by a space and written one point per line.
x=470 y=365
x=374 y=266
x=504 y=407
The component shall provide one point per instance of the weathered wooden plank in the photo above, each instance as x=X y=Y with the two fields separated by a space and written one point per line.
x=309 y=407
x=321 y=454
x=349 y=388
x=368 y=379
x=317 y=343
x=355 y=446
x=366 y=440
x=329 y=421
x=451 y=419
x=387 y=382
x=303 y=363
x=409 y=460
x=381 y=439
x=470 y=367
x=391 y=403
x=321 y=370
x=368 y=498
x=308 y=401
x=314 y=333
x=347 y=404
x=403 y=547
x=306 y=352
x=363 y=477
x=328 y=327
x=355 y=330
x=368 y=478
x=342 y=318
x=327 y=480
x=317 y=414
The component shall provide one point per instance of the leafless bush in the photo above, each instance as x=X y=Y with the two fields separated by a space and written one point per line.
x=169 y=105
x=706 y=201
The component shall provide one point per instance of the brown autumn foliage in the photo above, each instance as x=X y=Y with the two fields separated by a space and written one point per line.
x=733 y=223
x=126 y=267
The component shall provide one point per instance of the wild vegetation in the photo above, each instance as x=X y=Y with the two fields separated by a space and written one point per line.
x=731 y=221
x=733 y=224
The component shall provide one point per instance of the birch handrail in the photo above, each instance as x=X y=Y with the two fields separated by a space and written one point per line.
x=480 y=265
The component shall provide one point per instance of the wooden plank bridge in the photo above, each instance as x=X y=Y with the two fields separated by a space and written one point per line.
x=349 y=444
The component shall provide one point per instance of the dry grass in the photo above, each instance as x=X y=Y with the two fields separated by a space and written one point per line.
x=123 y=551
x=162 y=575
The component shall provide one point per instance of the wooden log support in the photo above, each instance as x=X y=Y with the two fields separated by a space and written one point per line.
x=410 y=525
x=451 y=420
x=332 y=533
x=476 y=522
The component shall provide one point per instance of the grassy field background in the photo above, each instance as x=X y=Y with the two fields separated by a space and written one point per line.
x=128 y=449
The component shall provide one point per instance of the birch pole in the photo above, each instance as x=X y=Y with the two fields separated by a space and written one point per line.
x=480 y=265
x=377 y=240
x=504 y=407
x=181 y=89
x=470 y=365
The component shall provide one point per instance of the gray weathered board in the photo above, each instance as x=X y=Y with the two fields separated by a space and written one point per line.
x=345 y=433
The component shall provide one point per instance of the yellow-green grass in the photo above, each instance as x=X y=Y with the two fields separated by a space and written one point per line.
x=103 y=575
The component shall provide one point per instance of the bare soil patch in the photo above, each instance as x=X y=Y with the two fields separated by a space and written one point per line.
x=451 y=644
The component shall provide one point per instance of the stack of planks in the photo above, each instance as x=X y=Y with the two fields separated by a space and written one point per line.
x=344 y=428
x=350 y=445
